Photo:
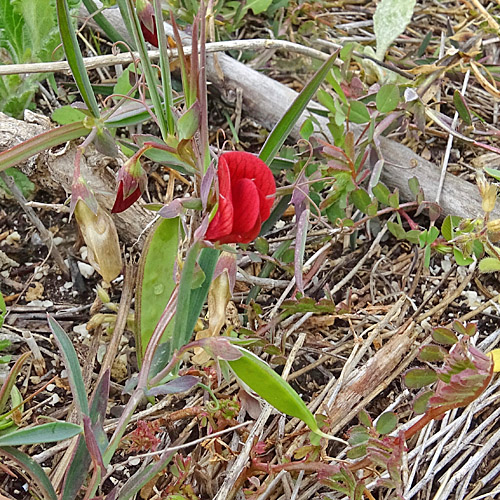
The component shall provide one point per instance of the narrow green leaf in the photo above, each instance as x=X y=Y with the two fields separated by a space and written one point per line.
x=166 y=82
x=387 y=99
x=461 y=107
x=417 y=378
x=21 y=152
x=493 y=172
x=283 y=128
x=8 y=383
x=34 y=470
x=263 y=380
x=3 y=310
x=44 y=433
x=207 y=262
x=101 y=20
x=70 y=360
x=156 y=281
x=150 y=73
x=74 y=57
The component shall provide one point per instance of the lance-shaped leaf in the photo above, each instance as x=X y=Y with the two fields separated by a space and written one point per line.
x=70 y=360
x=283 y=128
x=34 y=470
x=44 y=433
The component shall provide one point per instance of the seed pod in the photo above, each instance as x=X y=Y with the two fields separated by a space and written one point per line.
x=264 y=381
x=101 y=238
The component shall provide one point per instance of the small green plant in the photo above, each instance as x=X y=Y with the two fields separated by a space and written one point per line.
x=28 y=33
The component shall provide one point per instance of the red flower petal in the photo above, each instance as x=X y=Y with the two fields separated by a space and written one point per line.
x=247 y=166
x=121 y=203
x=246 y=195
x=222 y=223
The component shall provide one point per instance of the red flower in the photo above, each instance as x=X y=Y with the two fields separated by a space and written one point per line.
x=132 y=182
x=246 y=195
x=145 y=13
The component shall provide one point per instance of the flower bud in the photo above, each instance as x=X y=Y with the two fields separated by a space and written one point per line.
x=146 y=15
x=488 y=193
x=132 y=182
x=101 y=238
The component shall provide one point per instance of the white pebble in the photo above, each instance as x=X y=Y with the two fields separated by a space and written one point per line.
x=86 y=269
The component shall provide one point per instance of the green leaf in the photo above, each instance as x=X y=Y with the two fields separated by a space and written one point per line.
x=358 y=112
x=493 y=172
x=460 y=257
x=307 y=129
x=3 y=311
x=283 y=128
x=432 y=353
x=46 y=140
x=68 y=114
x=444 y=336
x=34 y=470
x=150 y=73
x=382 y=193
x=387 y=99
x=489 y=265
x=393 y=199
x=21 y=180
x=44 y=433
x=361 y=199
x=421 y=402
x=461 y=107
x=263 y=380
x=70 y=360
x=258 y=6
x=156 y=281
x=396 y=229
x=74 y=57
x=417 y=378
x=102 y=21
x=414 y=186
x=386 y=423
x=8 y=383
x=188 y=123
x=389 y=21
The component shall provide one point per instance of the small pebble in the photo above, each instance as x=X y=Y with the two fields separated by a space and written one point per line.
x=58 y=240
x=86 y=269
x=51 y=387
x=68 y=285
x=81 y=330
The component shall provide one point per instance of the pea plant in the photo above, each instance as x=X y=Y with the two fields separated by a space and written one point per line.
x=228 y=206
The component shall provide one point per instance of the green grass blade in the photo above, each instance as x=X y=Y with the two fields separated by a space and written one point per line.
x=34 y=470
x=101 y=20
x=149 y=72
x=70 y=360
x=74 y=57
x=44 y=433
x=283 y=128
x=21 y=152
x=166 y=81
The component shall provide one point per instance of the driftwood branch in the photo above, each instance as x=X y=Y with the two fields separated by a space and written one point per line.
x=266 y=100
